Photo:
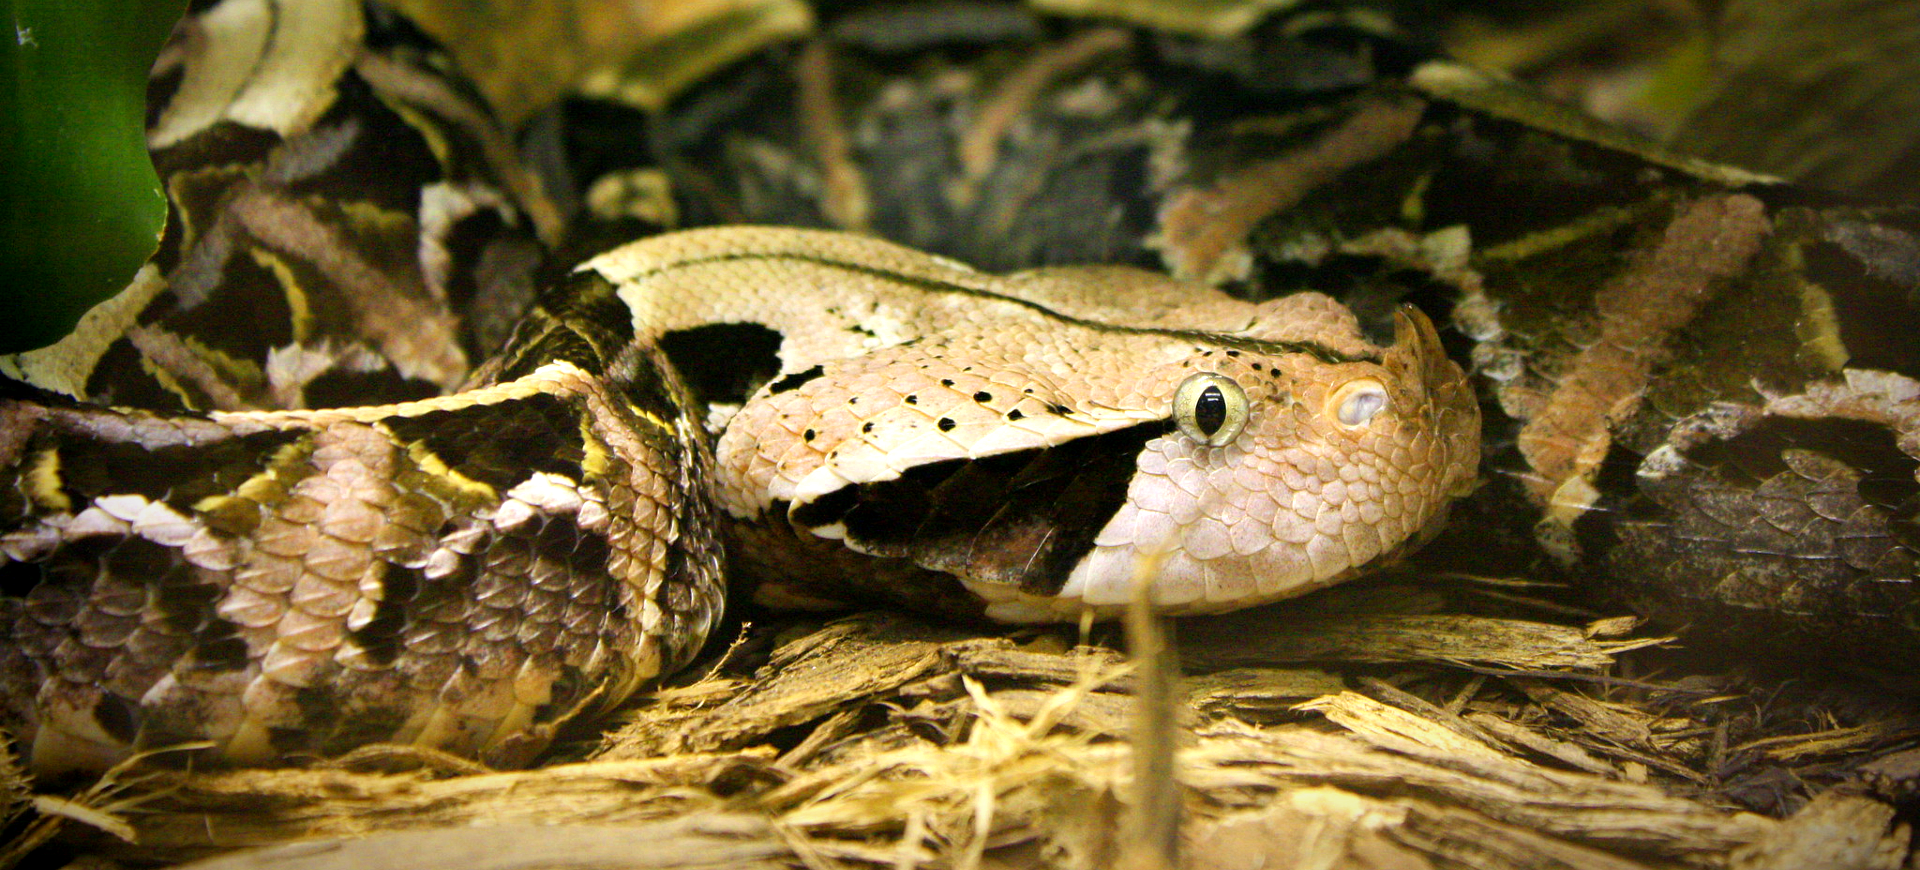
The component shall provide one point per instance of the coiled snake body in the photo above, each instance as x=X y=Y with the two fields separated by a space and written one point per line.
x=265 y=499
x=469 y=571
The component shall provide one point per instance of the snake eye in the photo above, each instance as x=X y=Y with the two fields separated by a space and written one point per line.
x=1357 y=401
x=1210 y=408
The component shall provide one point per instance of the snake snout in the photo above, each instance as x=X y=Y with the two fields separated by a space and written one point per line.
x=1341 y=463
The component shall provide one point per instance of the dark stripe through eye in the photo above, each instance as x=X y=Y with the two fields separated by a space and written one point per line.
x=1210 y=410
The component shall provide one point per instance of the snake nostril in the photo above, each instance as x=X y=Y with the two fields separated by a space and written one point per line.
x=1358 y=401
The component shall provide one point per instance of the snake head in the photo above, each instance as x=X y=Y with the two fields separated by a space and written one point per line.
x=1340 y=461
x=1050 y=463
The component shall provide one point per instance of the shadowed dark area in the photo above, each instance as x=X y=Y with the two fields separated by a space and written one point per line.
x=1023 y=518
x=725 y=362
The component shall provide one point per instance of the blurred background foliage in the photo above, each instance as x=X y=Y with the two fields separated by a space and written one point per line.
x=1823 y=91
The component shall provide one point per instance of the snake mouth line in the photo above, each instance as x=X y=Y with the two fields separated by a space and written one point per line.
x=1023 y=518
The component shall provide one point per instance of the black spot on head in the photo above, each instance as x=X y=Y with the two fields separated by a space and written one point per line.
x=1060 y=409
x=1015 y=414
x=724 y=362
x=853 y=400
x=1233 y=353
x=912 y=399
x=946 y=382
x=946 y=424
x=808 y=435
x=793 y=381
x=983 y=397
x=866 y=427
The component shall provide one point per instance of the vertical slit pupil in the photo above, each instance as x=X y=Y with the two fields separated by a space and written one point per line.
x=1210 y=410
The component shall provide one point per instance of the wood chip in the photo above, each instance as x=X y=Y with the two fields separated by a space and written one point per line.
x=1843 y=832
x=1262 y=637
